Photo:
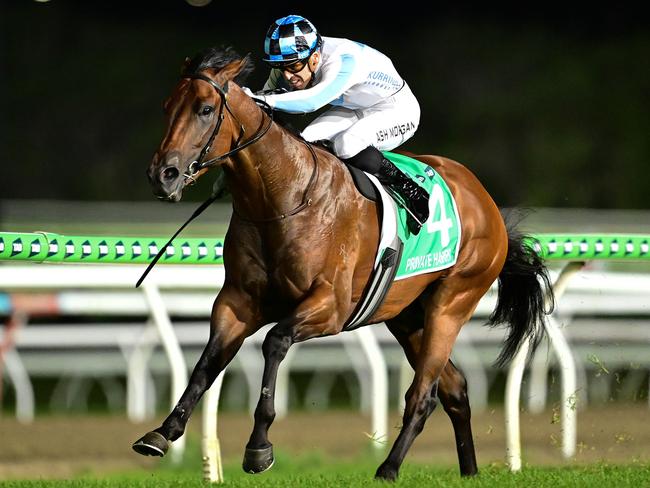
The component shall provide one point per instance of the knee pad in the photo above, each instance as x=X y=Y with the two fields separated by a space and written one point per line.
x=348 y=144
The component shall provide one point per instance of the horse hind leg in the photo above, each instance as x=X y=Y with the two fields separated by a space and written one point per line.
x=420 y=401
x=452 y=392
x=451 y=388
x=448 y=309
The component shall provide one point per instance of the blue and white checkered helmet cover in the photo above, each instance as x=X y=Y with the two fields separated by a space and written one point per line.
x=290 y=38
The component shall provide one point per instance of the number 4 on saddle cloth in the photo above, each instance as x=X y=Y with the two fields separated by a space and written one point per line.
x=402 y=254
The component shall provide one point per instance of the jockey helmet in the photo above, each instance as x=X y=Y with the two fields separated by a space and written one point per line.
x=290 y=39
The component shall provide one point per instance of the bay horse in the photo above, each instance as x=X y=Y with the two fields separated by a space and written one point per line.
x=300 y=248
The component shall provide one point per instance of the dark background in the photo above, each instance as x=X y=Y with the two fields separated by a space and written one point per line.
x=548 y=107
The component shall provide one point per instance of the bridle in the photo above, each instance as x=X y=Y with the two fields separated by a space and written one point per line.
x=199 y=164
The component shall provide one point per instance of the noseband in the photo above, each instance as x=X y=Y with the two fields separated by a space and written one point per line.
x=199 y=164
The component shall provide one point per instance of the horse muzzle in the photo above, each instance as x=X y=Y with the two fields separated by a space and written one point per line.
x=166 y=179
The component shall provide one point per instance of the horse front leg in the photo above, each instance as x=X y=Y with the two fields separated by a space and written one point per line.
x=231 y=322
x=315 y=317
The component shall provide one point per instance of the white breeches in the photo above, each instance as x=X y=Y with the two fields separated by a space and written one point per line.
x=385 y=125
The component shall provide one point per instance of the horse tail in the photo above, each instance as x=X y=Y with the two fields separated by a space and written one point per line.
x=524 y=285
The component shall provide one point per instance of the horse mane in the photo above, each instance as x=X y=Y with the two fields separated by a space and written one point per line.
x=218 y=58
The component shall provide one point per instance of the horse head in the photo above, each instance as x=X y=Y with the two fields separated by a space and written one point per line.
x=202 y=130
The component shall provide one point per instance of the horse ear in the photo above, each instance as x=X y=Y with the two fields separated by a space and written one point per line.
x=235 y=68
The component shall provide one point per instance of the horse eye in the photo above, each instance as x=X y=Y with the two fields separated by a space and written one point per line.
x=207 y=110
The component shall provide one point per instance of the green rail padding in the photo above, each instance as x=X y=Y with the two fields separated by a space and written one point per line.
x=587 y=247
x=49 y=247
x=57 y=248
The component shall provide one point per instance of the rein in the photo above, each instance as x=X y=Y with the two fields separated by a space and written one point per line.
x=199 y=164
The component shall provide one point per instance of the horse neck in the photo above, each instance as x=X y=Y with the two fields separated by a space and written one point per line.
x=270 y=177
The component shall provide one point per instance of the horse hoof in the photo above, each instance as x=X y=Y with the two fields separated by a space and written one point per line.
x=386 y=473
x=258 y=460
x=151 y=444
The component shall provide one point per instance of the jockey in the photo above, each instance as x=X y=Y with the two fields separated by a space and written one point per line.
x=372 y=107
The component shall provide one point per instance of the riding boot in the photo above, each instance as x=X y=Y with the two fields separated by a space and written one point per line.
x=414 y=196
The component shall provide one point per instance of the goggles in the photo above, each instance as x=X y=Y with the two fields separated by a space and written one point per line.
x=292 y=66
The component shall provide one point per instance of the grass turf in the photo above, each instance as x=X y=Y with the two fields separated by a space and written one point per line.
x=317 y=471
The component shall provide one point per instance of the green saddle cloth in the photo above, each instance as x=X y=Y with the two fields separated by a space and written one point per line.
x=436 y=245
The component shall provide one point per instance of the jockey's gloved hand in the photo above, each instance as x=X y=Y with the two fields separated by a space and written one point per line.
x=274 y=91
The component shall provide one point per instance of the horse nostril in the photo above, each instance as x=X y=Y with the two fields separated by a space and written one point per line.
x=170 y=173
